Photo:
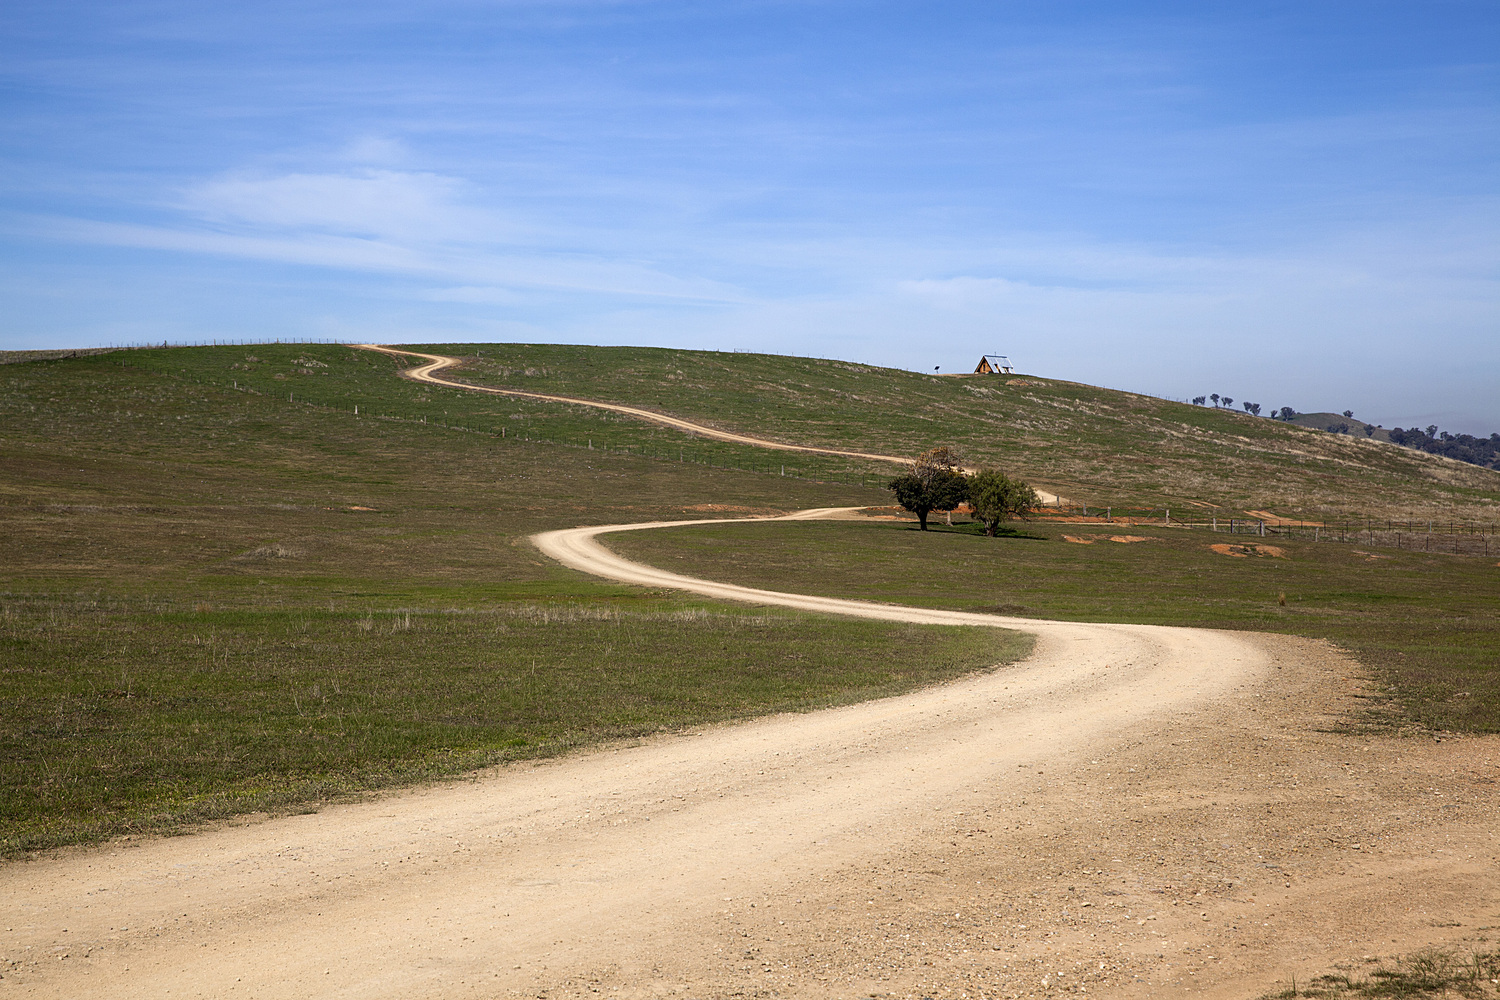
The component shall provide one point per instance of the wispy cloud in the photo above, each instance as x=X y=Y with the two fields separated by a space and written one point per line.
x=422 y=225
x=375 y=204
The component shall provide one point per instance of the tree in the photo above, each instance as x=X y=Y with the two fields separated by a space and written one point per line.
x=995 y=497
x=1252 y=408
x=1287 y=413
x=1226 y=400
x=1215 y=397
x=934 y=483
x=1199 y=400
x=1349 y=414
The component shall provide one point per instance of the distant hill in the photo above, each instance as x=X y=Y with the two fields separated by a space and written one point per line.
x=1337 y=423
x=1484 y=452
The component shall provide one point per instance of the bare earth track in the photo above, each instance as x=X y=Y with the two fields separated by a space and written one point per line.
x=439 y=362
x=1133 y=811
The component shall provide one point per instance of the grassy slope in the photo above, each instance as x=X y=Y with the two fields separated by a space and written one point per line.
x=1099 y=445
x=168 y=532
x=196 y=621
x=1428 y=624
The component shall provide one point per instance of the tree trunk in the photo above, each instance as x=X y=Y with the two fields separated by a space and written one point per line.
x=990 y=527
x=922 y=519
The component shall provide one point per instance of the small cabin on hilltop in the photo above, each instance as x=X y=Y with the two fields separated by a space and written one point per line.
x=994 y=364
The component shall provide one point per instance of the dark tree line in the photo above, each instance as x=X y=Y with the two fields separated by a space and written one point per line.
x=1227 y=401
x=1463 y=447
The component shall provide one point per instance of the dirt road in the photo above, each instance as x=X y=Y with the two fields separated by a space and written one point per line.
x=1133 y=811
x=438 y=362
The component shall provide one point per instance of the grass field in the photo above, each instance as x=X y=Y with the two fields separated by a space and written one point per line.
x=1097 y=445
x=245 y=578
x=1428 y=625
x=1100 y=446
x=126 y=717
x=214 y=600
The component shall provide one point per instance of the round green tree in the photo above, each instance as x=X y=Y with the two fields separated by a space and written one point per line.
x=934 y=482
x=995 y=497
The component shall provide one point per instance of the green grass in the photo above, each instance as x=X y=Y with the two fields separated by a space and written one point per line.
x=120 y=718
x=208 y=529
x=1093 y=444
x=196 y=621
x=1101 y=446
x=341 y=378
x=1427 y=624
x=1434 y=972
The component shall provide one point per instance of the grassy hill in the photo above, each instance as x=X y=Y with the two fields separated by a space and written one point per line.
x=1337 y=423
x=1101 y=446
x=216 y=600
x=239 y=579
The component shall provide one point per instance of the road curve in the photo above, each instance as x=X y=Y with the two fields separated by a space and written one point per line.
x=579 y=548
x=616 y=863
x=438 y=362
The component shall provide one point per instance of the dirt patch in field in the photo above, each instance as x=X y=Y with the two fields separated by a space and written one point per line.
x=729 y=508
x=1276 y=519
x=276 y=550
x=1249 y=549
x=1091 y=539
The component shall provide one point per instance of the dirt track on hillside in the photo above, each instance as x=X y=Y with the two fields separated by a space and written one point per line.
x=438 y=362
x=1135 y=810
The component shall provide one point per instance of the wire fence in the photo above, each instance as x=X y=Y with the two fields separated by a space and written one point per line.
x=221 y=342
x=1456 y=537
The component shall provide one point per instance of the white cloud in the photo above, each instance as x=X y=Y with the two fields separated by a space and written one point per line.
x=371 y=149
x=457 y=270
x=390 y=204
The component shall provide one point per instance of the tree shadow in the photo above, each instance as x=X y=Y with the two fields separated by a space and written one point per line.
x=975 y=528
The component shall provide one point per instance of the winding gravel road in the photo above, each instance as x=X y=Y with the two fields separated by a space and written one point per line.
x=1132 y=811
x=543 y=875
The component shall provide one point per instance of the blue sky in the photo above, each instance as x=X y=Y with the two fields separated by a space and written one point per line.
x=1294 y=203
